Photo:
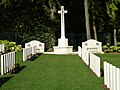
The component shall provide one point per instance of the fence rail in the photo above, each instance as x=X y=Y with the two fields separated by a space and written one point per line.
x=111 y=76
x=7 y=62
x=95 y=64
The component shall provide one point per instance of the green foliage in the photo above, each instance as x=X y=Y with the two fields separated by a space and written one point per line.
x=111 y=8
x=31 y=18
x=118 y=44
x=107 y=48
x=11 y=46
x=112 y=11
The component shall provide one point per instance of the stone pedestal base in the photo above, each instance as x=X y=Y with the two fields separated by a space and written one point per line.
x=67 y=49
x=63 y=46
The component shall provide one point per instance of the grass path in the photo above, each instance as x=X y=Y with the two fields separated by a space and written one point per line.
x=113 y=58
x=54 y=72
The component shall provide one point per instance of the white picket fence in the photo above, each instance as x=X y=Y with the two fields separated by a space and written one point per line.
x=79 y=51
x=7 y=62
x=111 y=76
x=2 y=48
x=29 y=52
x=90 y=59
x=85 y=56
x=95 y=64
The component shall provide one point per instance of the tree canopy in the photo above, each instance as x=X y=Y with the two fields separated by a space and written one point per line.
x=38 y=19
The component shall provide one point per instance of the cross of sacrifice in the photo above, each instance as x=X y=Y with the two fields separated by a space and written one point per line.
x=62 y=11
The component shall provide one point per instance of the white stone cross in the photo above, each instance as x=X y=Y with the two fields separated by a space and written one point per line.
x=62 y=11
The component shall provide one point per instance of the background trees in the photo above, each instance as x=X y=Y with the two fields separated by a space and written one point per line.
x=25 y=20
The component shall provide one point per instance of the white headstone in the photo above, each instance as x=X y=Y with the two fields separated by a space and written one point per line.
x=40 y=46
x=92 y=46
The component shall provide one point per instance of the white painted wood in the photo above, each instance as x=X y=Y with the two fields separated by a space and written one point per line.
x=108 y=75
x=7 y=61
x=29 y=52
x=2 y=48
x=2 y=65
x=105 y=73
x=79 y=51
x=114 y=78
x=14 y=58
x=85 y=56
x=5 y=64
x=118 y=78
x=111 y=77
x=95 y=64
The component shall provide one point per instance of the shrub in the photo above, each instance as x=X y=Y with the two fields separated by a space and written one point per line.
x=108 y=48
x=105 y=47
x=118 y=44
x=11 y=46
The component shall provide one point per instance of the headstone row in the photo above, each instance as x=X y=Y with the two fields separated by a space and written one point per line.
x=7 y=62
x=111 y=76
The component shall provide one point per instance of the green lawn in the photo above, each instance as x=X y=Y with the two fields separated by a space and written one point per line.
x=112 y=58
x=53 y=72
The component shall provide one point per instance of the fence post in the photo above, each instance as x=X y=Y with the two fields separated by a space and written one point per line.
x=111 y=76
x=24 y=55
x=8 y=62
x=108 y=75
x=79 y=51
x=114 y=78
x=118 y=78
x=98 y=67
x=105 y=73
x=5 y=64
x=2 y=65
x=14 y=58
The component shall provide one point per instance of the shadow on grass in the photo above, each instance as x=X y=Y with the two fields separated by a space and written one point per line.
x=102 y=72
x=3 y=80
x=18 y=69
x=35 y=56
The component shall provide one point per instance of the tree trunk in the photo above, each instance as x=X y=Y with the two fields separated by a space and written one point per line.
x=87 y=19
x=115 y=37
x=94 y=30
